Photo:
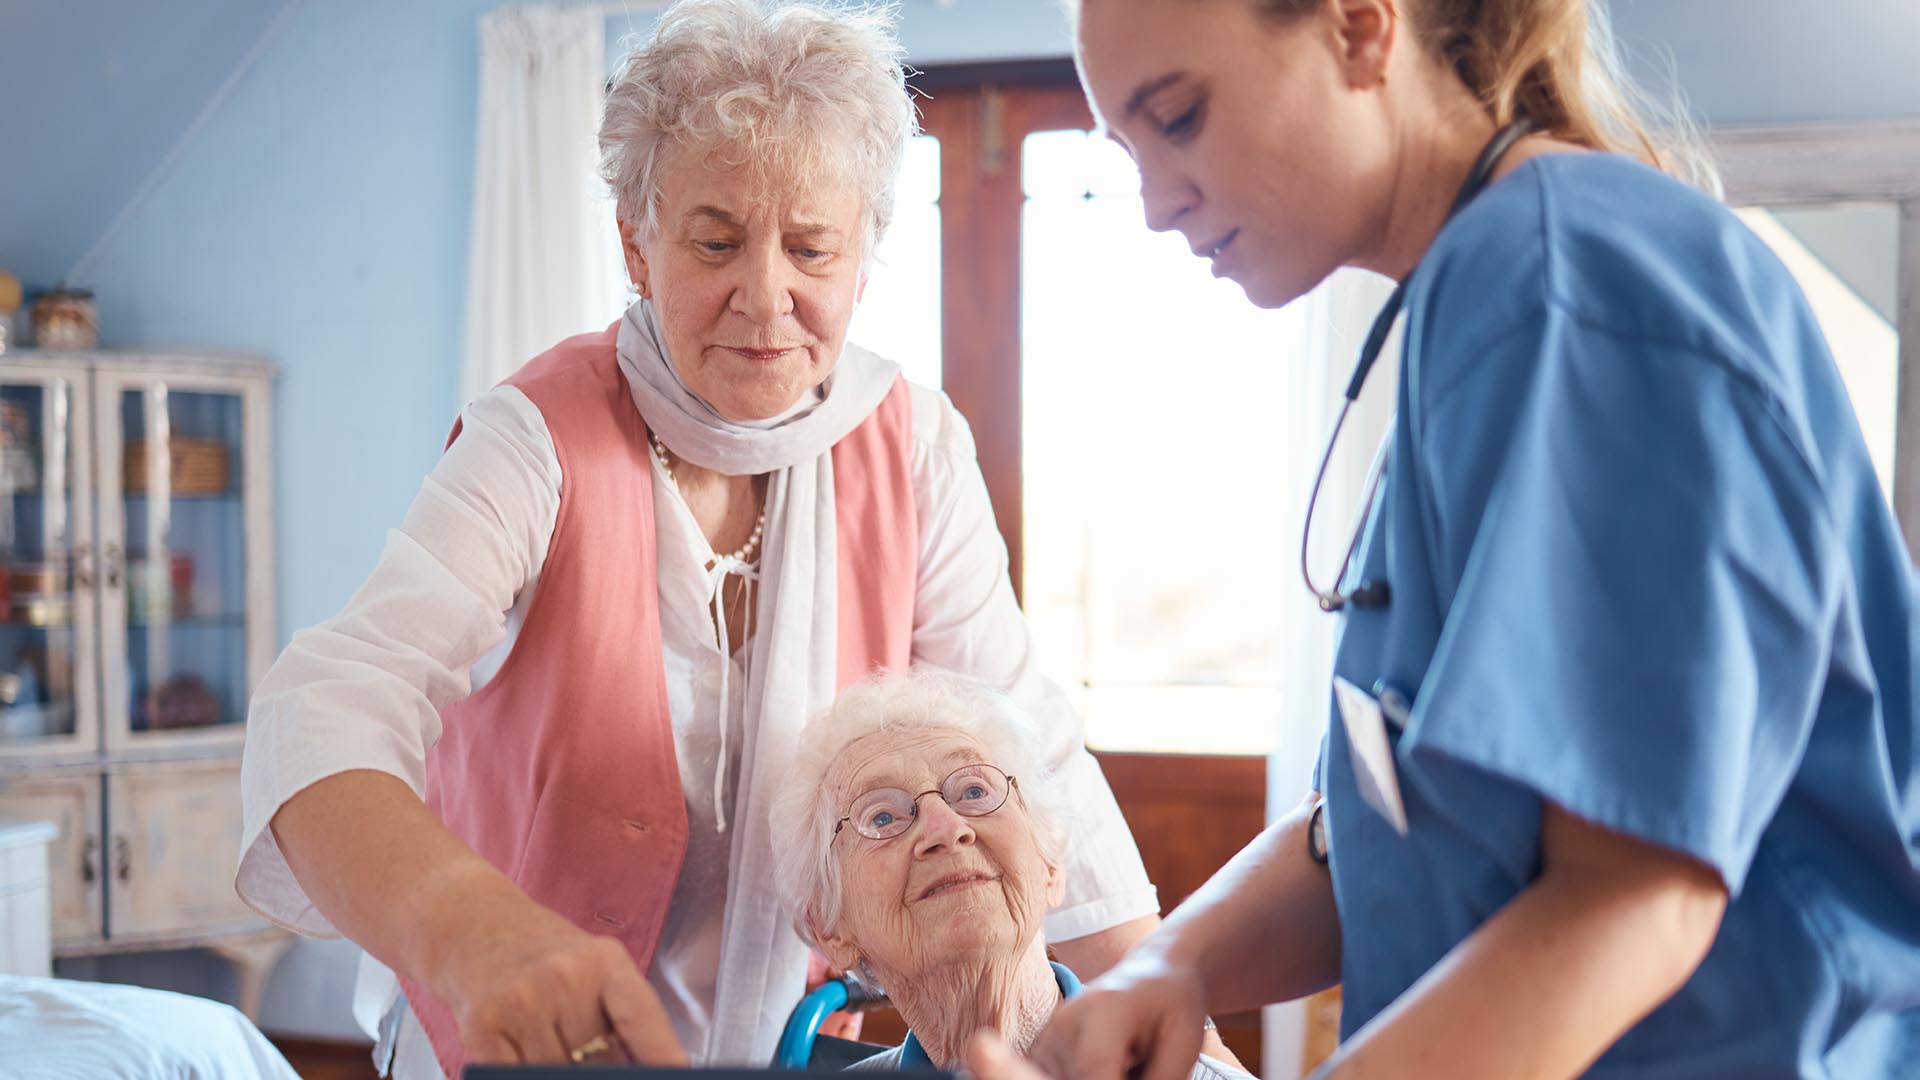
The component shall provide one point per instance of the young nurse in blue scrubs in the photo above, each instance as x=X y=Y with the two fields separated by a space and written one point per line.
x=1622 y=776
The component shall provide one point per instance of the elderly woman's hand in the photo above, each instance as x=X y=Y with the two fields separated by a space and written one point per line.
x=536 y=989
x=1149 y=1012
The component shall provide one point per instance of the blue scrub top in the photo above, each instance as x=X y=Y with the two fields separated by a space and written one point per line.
x=1641 y=567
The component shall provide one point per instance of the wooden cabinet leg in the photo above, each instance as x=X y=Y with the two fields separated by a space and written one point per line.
x=253 y=958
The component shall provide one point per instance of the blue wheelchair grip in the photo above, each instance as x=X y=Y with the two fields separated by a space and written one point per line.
x=796 y=1042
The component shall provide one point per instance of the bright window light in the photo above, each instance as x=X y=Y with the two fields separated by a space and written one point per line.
x=1155 y=506
x=1864 y=342
x=899 y=318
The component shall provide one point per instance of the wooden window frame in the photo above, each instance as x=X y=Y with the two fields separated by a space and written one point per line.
x=982 y=116
x=1812 y=164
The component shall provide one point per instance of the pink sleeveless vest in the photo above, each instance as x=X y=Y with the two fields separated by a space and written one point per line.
x=561 y=770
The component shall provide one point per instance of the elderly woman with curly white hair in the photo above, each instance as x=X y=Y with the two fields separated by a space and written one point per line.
x=529 y=767
x=922 y=838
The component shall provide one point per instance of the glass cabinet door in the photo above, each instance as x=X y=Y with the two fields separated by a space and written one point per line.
x=175 y=511
x=46 y=692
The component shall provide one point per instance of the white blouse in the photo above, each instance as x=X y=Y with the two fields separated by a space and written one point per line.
x=440 y=612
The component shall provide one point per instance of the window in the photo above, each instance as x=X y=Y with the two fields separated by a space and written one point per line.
x=1157 y=492
x=1089 y=354
x=899 y=317
x=1094 y=359
x=1845 y=257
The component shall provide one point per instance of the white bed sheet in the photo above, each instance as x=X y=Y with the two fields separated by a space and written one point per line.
x=61 y=1029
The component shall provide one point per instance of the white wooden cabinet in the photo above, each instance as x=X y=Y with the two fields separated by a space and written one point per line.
x=173 y=856
x=25 y=944
x=70 y=799
x=136 y=616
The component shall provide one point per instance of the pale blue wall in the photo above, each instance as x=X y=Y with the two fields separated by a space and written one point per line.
x=941 y=33
x=1780 y=61
x=970 y=30
x=320 y=218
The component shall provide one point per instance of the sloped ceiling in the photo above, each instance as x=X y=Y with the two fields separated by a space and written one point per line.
x=94 y=95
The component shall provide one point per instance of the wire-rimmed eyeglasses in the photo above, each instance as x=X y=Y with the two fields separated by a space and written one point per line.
x=971 y=791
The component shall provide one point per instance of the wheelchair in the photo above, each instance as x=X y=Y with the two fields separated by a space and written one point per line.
x=801 y=1044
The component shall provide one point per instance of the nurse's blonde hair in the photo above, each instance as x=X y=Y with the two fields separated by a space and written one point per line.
x=1555 y=62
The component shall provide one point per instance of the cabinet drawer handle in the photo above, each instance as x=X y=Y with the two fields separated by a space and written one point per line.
x=83 y=565
x=89 y=851
x=113 y=564
x=122 y=859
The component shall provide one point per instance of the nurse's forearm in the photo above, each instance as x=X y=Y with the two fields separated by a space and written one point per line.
x=1091 y=955
x=1612 y=928
x=1263 y=929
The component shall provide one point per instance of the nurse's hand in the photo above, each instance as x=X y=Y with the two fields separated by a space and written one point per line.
x=990 y=1058
x=538 y=988
x=1149 y=1013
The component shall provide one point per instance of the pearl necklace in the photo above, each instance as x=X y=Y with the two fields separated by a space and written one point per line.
x=747 y=550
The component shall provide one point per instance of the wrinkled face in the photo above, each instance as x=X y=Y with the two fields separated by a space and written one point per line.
x=950 y=890
x=754 y=292
x=1255 y=137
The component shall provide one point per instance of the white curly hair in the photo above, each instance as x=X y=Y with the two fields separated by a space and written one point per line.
x=807 y=872
x=792 y=91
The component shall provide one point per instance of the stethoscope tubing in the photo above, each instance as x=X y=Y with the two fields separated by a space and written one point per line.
x=1375 y=594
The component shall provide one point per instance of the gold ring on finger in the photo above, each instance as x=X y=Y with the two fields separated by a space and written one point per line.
x=589 y=1050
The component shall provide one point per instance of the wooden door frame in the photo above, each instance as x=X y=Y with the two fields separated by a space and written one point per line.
x=982 y=125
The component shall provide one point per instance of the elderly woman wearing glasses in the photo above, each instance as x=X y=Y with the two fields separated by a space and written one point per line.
x=921 y=842
x=529 y=766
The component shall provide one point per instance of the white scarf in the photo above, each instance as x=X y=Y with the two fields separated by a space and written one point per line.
x=792 y=663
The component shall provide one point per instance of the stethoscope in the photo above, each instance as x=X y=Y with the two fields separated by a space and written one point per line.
x=1374 y=593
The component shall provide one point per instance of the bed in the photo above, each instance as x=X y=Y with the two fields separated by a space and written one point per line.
x=61 y=1029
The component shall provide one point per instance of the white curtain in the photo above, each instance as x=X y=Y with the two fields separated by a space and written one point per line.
x=1339 y=314
x=1338 y=317
x=545 y=261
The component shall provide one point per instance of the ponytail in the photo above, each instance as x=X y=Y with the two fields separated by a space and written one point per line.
x=1556 y=63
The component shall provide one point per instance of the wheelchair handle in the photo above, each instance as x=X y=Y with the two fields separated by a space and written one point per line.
x=803 y=1026
x=861 y=996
